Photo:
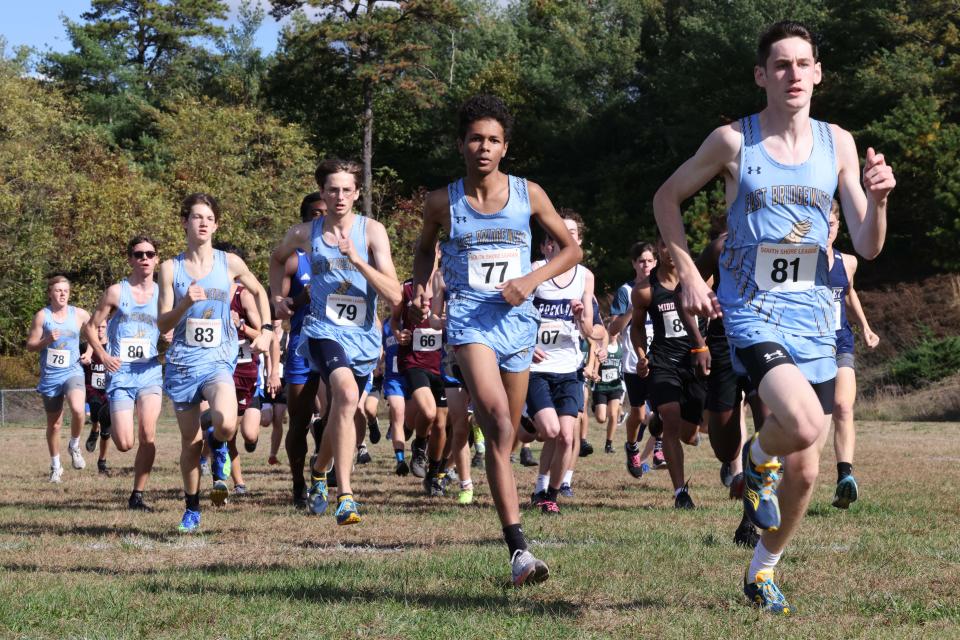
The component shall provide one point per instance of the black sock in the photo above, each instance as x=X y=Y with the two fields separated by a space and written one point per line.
x=552 y=494
x=136 y=496
x=844 y=469
x=609 y=443
x=433 y=468
x=513 y=535
x=419 y=444
x=634 y=446
x=193 y=501
x=643 y=428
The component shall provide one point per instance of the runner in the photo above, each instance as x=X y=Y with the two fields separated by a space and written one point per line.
x=843 y=267
x=780 y=168
x=195 y=295
x=273 y=408
x=134 y=377
x=607 y=392
x=491 y=323
x=351 y=265
x=394 y=393
x=55 y=334
x=95 y=382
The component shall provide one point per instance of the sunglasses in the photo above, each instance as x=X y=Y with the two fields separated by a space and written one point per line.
x=140 y=255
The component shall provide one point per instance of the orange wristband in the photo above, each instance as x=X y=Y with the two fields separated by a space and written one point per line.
x=699 y=349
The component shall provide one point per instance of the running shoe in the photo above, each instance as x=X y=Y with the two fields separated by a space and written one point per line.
x=204 y=466
x=659 y=460
x=317 y=498
x=363 y=456
x=765 y=594
x=760 y=491
x=402 y=468
x=608 y=447
x=240 y=490
x=736 y=487
x=526 y=457
x=347 y=511
x=219 y=457
x=550 y=507
x=433 y=486
x=190 y=521
x=103 y=469
x=846 y=493
x=566 y=490
x=586 y=448
x=373 y=426
x=465 y=496
x=683 y=499
x=299 y=498
x=136 y=503
x=537 y=498
x=726 y=476
x=634 y=465
x=219 y=493
x=746 y=534
x=56 y=475
x=418 y=466
x=76 y=458
x=451 y=475
x=477 y=460
x=91 y=442
x=526 y=569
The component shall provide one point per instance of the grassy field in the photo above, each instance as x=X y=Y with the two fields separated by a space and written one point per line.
x=75 y=563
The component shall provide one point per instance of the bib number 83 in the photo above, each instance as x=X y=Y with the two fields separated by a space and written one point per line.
x=203 y=334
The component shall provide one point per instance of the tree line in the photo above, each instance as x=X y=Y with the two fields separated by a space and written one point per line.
x=156 y=99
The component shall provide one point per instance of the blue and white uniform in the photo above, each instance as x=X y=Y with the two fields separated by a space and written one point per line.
x=394 y=382
x=841 y=285
x=204 y=348
x=60 y=370
x=340 y=330
x=774 y=286
x=132 y=336
x=296 y=369
x=637 y=391
x=482 y=252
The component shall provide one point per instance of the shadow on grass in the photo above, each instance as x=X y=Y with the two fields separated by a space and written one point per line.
x=97 y=531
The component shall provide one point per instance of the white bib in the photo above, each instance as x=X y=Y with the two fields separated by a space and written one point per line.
x=608 y=375
x=393 y=366
x=836 y=315
x=487 y=269
x=427 y=339
x=346 y=311
x=672 y=325
x=786 y=267
x=134 y=349
x=98 y=380
x=58 y=358
x=205 y=333
x=552 y=336
x=244 y=354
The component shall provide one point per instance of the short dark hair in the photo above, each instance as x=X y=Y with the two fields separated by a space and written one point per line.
x=781 y=31
x=306 y=211
x=331 y=166
x=482 y=107
x=229 y=247
x=135 y=240
x=639 y=247
x=199 y=198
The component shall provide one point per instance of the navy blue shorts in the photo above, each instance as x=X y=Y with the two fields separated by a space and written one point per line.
x=560 y=391
x=328 y=356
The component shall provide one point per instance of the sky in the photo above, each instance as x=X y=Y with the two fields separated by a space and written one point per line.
x=38 y=24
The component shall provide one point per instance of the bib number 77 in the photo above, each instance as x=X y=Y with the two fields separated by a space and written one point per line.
x=489 y=269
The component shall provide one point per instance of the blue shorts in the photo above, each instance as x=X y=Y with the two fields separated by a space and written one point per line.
x=184 y=385
x=511 y=332
x=296 y=370
x=560 y=391
x=844 y=341
x=133 y=381
x=52 y=393
x=394 y=386
x=815 y=356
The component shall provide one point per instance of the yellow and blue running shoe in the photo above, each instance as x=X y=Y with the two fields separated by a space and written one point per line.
x=347 y=510
x=220 y=465
x=846 y=494
x=760 y=490
x=190 y=522
x=765 y=594
x=317 y=498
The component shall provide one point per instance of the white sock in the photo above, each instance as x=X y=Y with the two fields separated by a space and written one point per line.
x=758 y=455
x=74 y=443
x=762 y=559
x=466 y=484
x=568 y=477
x=542 y=482
x=676 y=492
x=55 y=461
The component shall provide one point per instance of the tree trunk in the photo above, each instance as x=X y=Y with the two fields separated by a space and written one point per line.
x=368 y=147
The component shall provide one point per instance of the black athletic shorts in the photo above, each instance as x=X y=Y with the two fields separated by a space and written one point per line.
x=637 y=388
x=725 y=389
x=678 y=384
x=418 y=378
x=604 y=397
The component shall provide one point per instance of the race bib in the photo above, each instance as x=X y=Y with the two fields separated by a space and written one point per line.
x=98 y=380
x=836 y=316
x=244 y=354
x=487 y=269
x=609 y=375
x=58 y=358
x=427 y=339
x=552 y=335
x=134 y=349
x=672 y=325
x=204 y=333
x=346 y=311
x=393 y=366
x=786 y=267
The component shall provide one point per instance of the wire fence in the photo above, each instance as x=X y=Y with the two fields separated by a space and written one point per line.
x=24 y=408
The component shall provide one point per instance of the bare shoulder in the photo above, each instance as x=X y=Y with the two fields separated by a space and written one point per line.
x=437 y=205
x=849 y=262
x=843 y=140
x=725 y=140
x=166 y=270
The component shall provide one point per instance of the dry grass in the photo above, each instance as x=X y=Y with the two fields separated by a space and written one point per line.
x=75 y=562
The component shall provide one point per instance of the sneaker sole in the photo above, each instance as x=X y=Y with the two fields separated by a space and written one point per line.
x=219 y=493
x=535 y=575
x=353 y=518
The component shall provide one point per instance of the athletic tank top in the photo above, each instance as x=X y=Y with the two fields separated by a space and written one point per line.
x=609 y=370
x=132 y=332
x=60 y=360
x=391 y=365
x=205 y=334
x=840 y=285
x=343 y=305
x=671 y=342
x=297 y=283
x=248 y=362
x=486 y=249
x=426 y=344
x=558 y=335
x=95 y=378
x=774 y=264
